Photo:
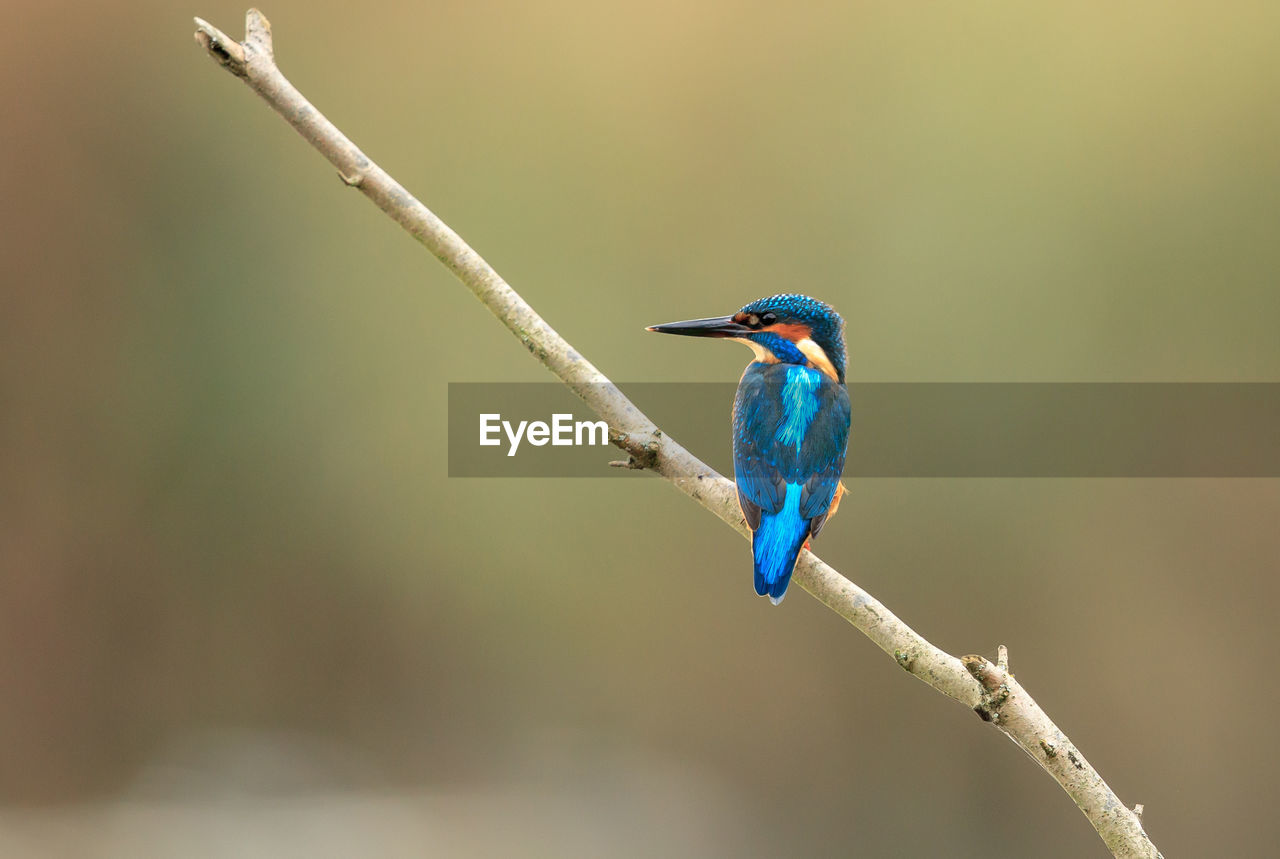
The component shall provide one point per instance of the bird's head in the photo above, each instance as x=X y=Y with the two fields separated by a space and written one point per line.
x=787 y=329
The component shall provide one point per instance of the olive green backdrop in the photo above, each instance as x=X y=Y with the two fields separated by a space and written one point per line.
x=242 y=607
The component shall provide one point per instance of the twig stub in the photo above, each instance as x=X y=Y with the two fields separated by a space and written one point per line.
x=995 y=685
x=225 y=50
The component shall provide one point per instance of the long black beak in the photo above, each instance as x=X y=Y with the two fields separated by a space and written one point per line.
x=714 y=326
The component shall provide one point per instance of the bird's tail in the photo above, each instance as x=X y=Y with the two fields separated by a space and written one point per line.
x=776 y=545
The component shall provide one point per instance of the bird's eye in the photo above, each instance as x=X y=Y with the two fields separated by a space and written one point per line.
x=769 y=318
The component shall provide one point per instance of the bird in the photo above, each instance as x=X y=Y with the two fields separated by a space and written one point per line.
x=790 y=424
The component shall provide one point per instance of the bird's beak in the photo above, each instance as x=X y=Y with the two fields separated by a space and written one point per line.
x=715 y=326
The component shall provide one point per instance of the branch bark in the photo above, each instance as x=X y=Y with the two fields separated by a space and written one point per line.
x=987 y=688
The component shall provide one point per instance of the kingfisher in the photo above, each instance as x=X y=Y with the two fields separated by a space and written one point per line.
x=790 y=424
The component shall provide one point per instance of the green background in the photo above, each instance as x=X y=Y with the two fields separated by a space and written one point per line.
x=242 y=607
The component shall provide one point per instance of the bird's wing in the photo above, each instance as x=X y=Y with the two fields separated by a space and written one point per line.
x=823 y=450
x=757 y=411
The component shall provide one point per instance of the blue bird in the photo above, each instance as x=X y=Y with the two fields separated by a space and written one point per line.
x=790 y=425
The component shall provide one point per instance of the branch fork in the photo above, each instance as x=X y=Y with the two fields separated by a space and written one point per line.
x=994 y=680
x=642 y=451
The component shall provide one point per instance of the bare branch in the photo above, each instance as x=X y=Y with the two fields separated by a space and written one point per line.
x=989 y=689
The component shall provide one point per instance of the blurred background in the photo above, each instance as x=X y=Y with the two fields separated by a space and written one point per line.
x=244 y=612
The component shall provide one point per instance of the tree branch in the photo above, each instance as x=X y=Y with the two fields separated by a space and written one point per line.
x=988 y=689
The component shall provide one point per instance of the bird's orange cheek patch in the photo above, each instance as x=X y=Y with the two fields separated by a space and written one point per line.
x=793 y=331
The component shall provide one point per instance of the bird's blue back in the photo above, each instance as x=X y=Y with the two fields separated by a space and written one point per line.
x=790 y=432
